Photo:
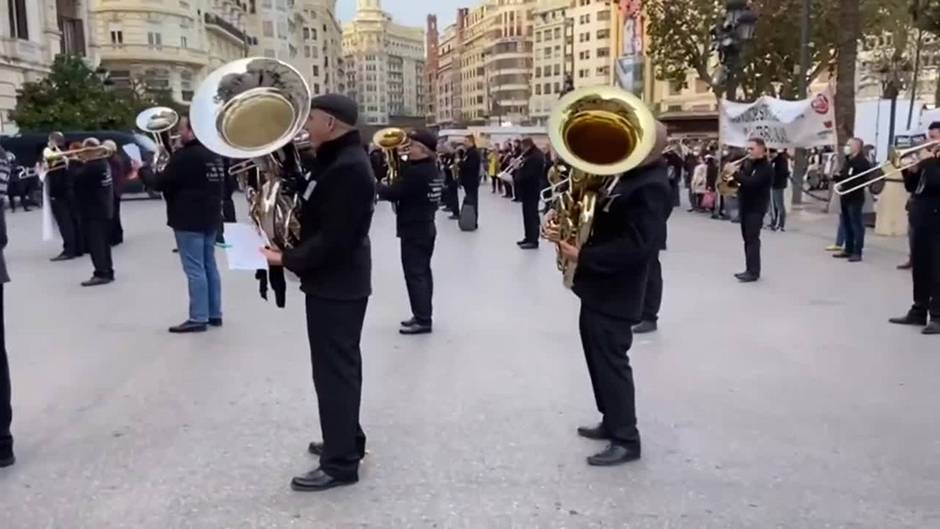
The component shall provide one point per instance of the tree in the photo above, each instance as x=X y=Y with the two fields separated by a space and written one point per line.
x=73 y=97
x=680 y=39
x=926 y=16
x=847 y=51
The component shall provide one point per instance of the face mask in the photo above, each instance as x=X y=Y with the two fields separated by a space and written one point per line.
x=848 y=150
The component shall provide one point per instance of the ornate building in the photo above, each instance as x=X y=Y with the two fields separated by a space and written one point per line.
x=551 y=57
x=384 y=65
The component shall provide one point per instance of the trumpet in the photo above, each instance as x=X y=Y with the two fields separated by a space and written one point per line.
x=898 y=161
x=391 y=140
x=56 y=159
x=728 y=185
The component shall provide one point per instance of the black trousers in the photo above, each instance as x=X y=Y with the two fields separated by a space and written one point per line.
x=508 y=188
x=751 y=224
x=530 y=219
x=925 y=256
x=97 y=233
x=63 y=210
x=606 y=342
x=451 y=198
x=6 y=411
x=334 y=328
x=653 y=295
x=228 y=215
x=117 y=231
x=416 y=255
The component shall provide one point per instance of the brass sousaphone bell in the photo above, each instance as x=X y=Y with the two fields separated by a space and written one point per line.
x=391 y=140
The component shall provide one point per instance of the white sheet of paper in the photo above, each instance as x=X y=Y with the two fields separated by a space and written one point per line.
x=244 y=247
x=133 y=151
x=47 y=221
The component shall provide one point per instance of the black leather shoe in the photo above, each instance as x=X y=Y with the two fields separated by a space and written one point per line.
x=615 y=454
x=95 y=281
x=62 y=257
x=520 y=243
x=645 y=327
x=855 y=258
x=315 y=448
x=529 y=246
x=417 y=328
x=747 y=277
x=911 y=318
x=7 y=461
x=906 y=266
x=841 y=255
x=317 y=480
x=598 y=433
x=215 y=322
x=933 y=328
x=188 y=327
x=409 y=323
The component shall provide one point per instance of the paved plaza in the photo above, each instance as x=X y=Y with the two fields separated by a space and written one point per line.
x=789 y=403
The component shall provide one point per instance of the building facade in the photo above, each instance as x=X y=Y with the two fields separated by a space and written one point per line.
x=384 y=64
x=508 y=60
x=551 y=58
x=431 y=66
x=591 y=42
x=447 y=80
x=474 y=106
x=29 y=41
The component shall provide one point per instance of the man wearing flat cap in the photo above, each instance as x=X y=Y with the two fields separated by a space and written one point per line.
x=334 y=263
x=416 y=194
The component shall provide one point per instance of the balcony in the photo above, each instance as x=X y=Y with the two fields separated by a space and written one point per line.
x=72 y=41
x=148 y=53
x=225 y=28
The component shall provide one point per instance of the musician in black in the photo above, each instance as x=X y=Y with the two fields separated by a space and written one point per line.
x=94 y=192
x=192 y=187
x=527 y=188
x=923 y=182
x=612 y=266
x=470 y=175
x=451 y=168
x=851 y=220
x=63 y=205
x=120 y=166
x=6 y=410
x=755 y=179
x=413 y=193
x=334 y=262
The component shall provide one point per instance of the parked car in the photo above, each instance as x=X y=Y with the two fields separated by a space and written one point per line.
x=28 y=146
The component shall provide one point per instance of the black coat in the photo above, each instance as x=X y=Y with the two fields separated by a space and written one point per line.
x=334 y=257
x=755 y=178
x=470 y=169
x=850 y=167
x=629 y=228
x=61 y=183
x=781 y=171
x=414 y=195
x=94 y=190
x=192 y=187
x=925 y=202
x=528 y=178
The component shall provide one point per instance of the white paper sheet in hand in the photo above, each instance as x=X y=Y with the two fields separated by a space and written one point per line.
x=47 y=221
x=244 y=247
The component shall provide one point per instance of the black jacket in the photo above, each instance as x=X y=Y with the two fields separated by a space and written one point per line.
x=94 y=190
x=192 y=187
x=470 y=169
x=413 y=193
x=924 y=184
x=334 y=257
x=529 y=177
x=781 y=171
x=755 y=178
x=629 y=228
x=61 y=183
x=853 y=166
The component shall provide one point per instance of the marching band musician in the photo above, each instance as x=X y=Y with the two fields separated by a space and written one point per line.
x=94 y=192
x=923 y=182
x=528 y=179
x=334 y=262
x=62 y=202
x=414 y=194
x=450 y=167
x=6 y=409
x=192 y=187
x=630 y=226
x=470 y=176
x=755 y=178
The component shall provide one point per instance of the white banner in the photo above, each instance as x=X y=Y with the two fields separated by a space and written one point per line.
x=781 y=124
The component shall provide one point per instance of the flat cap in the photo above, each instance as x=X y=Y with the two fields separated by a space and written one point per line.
x=424 y=137
x=338 y=106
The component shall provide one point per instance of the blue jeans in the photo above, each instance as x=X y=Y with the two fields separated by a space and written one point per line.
x=840 y=235
x=853 y=224
x=197 y=253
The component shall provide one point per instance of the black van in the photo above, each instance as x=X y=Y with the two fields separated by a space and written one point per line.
x=28 y=146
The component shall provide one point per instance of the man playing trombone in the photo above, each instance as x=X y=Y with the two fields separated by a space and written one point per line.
x=852 y=222
x=922 y=180
x=94 y=192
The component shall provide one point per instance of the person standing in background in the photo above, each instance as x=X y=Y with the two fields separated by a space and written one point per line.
x=527 y=191
x=94 y=190
x=120 y=166
x=755 y=179
x=778 y=219
x=61 y=184
x=6 y=408
x=492 y=158
x=851 y=219
x=470 y=181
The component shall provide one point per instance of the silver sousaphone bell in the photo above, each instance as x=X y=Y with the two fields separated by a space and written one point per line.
x=159 y=123
x=252 y=109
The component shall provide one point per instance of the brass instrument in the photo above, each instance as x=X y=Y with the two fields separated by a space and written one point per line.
x=601 y=133
x=56 y=159
x=506 y=174
x=896 y=163
x=728 y=184
x=391 y=140
x=255 y=108
x=159 y=123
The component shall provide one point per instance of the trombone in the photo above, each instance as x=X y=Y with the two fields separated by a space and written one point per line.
x=896 y=163
x=56 y=159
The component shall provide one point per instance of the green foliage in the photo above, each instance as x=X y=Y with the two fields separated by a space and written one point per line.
x=73 y=97
x=680 y=38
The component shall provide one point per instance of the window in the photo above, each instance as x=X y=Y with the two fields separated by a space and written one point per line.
x=538 y=89
x=316 y=88
x=267 y=28
x=603 y=33
x=548 y=52
x=183 y=42
x=316 y=70
x=557 y=88
x=19 y=26
x=313 y=34
x=154 y=39
x=538 y=36
x=557 y=69
x=603 y=52
x=548 y=34
x=547 y=88
x=117 y=36
x=603 y=15
x=306 y=33
x=584 y=37
x=538 y=71
x=557 y=33
x=603 y=71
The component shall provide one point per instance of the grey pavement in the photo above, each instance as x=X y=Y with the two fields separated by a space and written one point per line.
x=789 y=403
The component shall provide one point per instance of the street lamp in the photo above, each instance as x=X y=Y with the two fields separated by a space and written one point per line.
x=894 y=74
x=729 y=39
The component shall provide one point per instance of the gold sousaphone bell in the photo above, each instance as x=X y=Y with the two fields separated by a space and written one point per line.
x=391 y=140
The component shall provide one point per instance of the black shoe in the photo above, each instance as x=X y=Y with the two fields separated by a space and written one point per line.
x=855 y=259
x=215 y=322
x=453 y=217
x=529 y=246
x=598 y=433
x=747 y=277
x=176 y=250
x=95 y=281
x=315 y=448
x=188 y=327
x=906 y=266
x=7 y=460
x=841 y=255
x=615 y=454
x=317 y=480
x=520 y=243
x=933 y=328
x=911 y=318
x=417 y=328
x=645 y=327
x=62 y=257
x=409 y=323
